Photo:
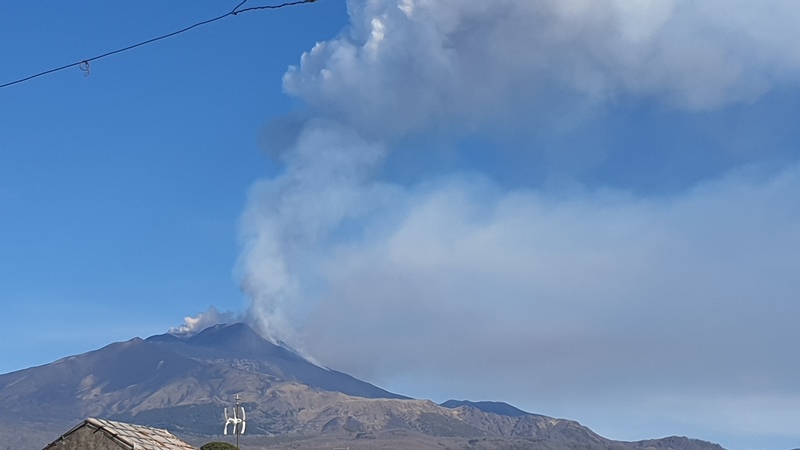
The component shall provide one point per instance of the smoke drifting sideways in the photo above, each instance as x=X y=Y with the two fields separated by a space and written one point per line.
x=404 y=66
x=193 y=325
x=588 y=293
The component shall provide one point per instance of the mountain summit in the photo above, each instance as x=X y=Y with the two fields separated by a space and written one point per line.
x=183 y=382
x=161 y=378
x=241 y=347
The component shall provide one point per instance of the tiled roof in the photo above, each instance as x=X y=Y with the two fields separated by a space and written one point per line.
x=137 y=437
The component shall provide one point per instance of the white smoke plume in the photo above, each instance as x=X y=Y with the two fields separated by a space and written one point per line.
x=193 y=325
x=290 y=218
x=571 y=296
x=410 y=64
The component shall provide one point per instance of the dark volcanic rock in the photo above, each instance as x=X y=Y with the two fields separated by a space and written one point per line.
x=182 y=383
x=165 y=374
x=238 y=345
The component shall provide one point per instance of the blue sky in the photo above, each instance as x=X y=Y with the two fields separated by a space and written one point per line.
x=587 y=209
x=117 y=197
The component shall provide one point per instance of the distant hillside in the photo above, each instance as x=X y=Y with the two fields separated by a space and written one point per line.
x=182 y=383
x=503 y=409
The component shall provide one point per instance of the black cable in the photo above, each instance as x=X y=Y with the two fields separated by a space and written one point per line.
x=84 y=63
x=254 y=8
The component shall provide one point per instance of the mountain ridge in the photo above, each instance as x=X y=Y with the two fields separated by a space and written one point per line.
x=501 y=408
x=183 y=382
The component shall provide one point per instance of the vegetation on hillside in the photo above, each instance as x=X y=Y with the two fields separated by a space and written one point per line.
x=218 y=446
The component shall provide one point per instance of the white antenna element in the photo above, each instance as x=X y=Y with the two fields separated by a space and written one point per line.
x=237 y=420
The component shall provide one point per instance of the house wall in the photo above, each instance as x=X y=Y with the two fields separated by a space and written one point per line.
x=87 y=438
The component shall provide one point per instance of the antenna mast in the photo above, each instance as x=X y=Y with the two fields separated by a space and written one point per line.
x=237 y=420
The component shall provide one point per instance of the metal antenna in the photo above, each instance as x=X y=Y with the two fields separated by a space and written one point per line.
x=237 y=420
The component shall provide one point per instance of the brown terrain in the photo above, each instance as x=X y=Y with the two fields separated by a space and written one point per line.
x=182 y=383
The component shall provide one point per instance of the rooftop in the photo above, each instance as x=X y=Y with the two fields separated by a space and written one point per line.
x=134 y=437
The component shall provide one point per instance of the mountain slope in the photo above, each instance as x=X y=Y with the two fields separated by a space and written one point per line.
x=503 y=409
x=103 y=381
x=182 y=383
x=127 y=378
x=243 y=348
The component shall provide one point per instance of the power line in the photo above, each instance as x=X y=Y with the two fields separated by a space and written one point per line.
x=84 y=64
